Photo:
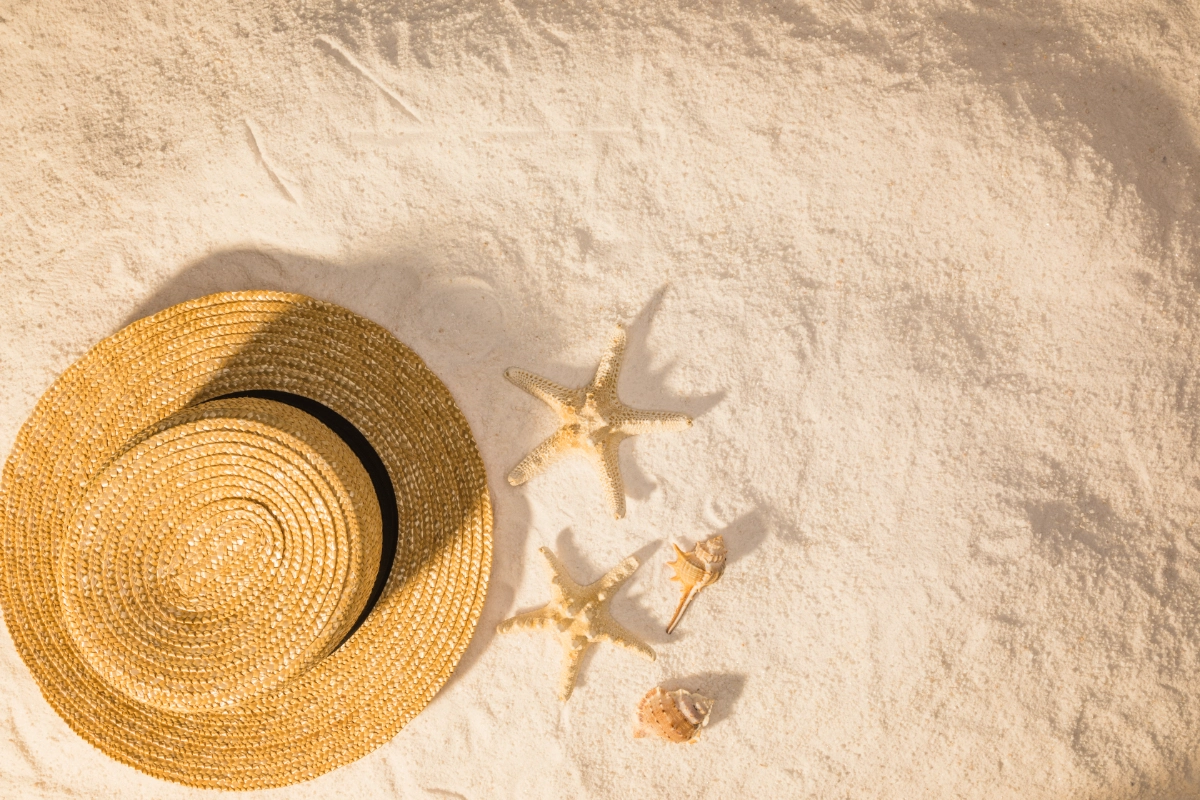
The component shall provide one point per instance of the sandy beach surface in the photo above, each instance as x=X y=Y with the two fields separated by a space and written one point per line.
x=925 y=274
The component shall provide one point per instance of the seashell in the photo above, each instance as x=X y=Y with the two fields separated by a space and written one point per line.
x=696 y=570
x=675 y=716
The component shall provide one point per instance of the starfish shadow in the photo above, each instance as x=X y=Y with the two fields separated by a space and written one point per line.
x=723 y=687
x=581 y=422
x=627 y=605
x=579 y=565
x=645 y=384
x=638 y=484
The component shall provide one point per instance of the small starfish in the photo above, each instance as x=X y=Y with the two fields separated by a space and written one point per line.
x=595 y=421
x=580 y=616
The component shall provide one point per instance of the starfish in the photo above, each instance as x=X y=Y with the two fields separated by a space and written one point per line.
x=595 y=422
x=580 y=617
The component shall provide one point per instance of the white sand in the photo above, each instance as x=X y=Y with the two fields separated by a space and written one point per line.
x=925 y=273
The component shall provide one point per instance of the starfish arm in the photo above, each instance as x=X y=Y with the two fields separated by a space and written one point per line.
x=565 y=589
x=560 y=398
x=606 y=458
x=530 y=621
x=572 y=661
x=542 y=456
x=610 y=363
x=633 y=422
x=606 y=629
x=612 y=580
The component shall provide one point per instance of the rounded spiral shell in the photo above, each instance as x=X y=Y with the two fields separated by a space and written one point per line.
x=675 y=716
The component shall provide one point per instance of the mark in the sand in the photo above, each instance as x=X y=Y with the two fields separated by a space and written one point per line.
x=406 y=135
x=852 y=7
x=445 y=793
x=560 y=39
x=348 y=58
x=261 y=154
x=462 y=314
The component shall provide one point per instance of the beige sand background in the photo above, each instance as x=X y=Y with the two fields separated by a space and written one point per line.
x=925 y=273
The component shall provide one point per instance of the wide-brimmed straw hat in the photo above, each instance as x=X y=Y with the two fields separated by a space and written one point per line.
x=244 y=540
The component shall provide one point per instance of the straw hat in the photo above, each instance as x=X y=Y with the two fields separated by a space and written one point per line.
x=244 y=540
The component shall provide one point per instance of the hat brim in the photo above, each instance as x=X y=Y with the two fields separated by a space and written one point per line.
x=360 y=696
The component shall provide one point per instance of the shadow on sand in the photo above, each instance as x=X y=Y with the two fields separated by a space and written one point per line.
x=457 y=325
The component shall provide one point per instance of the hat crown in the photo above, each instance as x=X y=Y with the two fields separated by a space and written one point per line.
x=231 y=552
x=222 y=552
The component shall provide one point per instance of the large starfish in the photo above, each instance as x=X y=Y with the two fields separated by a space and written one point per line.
x=595 y=422
x=580 y=617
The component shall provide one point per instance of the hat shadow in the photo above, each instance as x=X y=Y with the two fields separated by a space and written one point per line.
x=368 y=287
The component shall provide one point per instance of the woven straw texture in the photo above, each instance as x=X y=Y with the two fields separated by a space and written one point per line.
x=179 y=572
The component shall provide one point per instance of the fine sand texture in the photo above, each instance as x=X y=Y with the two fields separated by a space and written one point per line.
x=925 y=274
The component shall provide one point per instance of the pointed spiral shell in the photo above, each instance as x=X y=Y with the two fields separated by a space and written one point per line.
x=694 y=571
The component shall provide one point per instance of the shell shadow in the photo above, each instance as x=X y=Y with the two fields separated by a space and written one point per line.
x=723 y=687
x=744 y=535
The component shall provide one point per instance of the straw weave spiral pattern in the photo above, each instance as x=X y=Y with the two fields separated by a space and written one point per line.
x=226 y=550
x=179 y=571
